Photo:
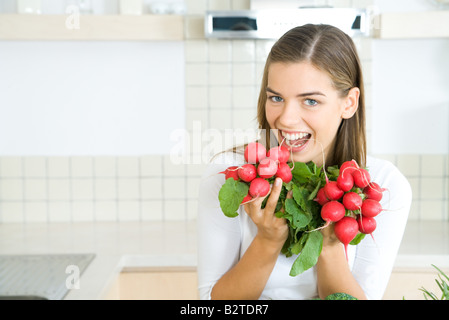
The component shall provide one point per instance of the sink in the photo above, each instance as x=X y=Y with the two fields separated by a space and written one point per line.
x=40 y=277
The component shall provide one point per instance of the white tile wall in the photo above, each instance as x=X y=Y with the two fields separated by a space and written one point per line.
x=52 y=189
x=429 y=178
x=222 y=85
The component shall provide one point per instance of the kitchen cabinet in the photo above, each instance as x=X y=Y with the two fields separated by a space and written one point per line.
x=411 y=25
x=92 y=27
x=176 y=283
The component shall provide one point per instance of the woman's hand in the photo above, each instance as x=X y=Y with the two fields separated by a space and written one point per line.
x=271 y=229
x=329 y=237
x=331 y=262
x=247 y=279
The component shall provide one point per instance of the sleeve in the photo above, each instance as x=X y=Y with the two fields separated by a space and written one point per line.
x=375 y=256
x=218 y=236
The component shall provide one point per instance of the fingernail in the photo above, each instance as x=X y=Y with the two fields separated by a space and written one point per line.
x=277 y=182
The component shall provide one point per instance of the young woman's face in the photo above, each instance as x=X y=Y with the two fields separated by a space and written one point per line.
x=306 y=109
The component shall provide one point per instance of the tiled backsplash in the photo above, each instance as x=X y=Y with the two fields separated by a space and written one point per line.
x=222 y=84
x=429 y=178
x=55 y=189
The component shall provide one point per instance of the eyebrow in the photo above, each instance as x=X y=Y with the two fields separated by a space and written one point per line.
x=312 y=93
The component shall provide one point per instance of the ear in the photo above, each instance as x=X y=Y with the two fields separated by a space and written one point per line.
x=351 y=103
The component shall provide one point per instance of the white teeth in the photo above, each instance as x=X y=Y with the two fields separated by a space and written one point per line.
x=294 y=136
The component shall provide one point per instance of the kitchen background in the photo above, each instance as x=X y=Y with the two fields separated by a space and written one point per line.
x=85 y=126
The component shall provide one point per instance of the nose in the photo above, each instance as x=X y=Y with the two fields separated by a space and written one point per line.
x=291 y=116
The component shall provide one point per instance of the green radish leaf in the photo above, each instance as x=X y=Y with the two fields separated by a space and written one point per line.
x=309 y=254
x=359 y=237
x=299 y=245
x=284 y=215
x=300 y=194
x=231 y=196
x=333 y=171
x=300 y=219
x=312 y=167
x=301 y=172
x=314 y=192
x=288 y=186
x=286 y=247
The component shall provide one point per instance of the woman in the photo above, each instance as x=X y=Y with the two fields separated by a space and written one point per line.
x=311 y=101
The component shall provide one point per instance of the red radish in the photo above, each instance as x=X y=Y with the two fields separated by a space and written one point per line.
x=348 y=167
x=373 y=191
x=284 y=172
x=247 y=172
x=345 y=182
x=321 y=197
x=247 y=198
x=267 y=168
x=280 y=154
x=366 y=224
x=332 y=191
x=370 y=208
x=254 y=152
x=231 y=172
x=352 y=201
x=259 y=187
x=332 y=211
x=361 y=178
x=345 y=230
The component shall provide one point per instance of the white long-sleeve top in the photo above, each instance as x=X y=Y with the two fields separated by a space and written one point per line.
x=222 y=241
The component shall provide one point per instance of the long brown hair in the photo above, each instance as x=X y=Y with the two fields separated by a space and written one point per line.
x=330 y=50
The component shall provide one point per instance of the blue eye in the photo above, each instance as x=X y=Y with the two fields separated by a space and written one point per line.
x=311 y=102
x=276 y=99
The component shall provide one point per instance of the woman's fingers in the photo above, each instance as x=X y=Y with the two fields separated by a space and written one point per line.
x=254 y=205
x=269 y=226
x=274 y=196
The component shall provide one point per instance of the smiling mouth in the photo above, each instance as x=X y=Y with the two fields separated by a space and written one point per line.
x=295 y=139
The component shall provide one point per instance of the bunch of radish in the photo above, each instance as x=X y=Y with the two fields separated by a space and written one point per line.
x=261 y=167
x=352 y=202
